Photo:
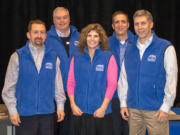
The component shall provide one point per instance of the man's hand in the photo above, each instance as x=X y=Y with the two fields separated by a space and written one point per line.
x=60 y=115
x=161 y=116
x=124 y=113
x=15 y=119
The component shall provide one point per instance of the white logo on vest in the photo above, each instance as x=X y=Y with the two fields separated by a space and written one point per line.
x=49 y=65
x=151 y=58
x=76 y=43
x=100 y=68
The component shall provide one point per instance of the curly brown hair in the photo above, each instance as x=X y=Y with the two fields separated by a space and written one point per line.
x=102 y=34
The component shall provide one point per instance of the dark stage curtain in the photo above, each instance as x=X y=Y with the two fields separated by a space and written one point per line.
x=15 y=15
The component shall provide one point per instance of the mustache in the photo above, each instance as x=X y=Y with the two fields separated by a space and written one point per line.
x=38 y=39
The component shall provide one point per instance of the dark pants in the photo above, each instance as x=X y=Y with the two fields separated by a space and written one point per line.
x=64 y=125
x=36 y=125
x=120 y=126
x=89 y=125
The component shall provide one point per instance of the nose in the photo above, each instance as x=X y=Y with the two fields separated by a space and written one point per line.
x=120 y=23
x=61 y=19
x=92 y=37
x=139 y=26
x=39 y=34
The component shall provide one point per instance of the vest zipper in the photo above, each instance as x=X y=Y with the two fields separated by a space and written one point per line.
x=138 y=84
x=89 y=83
x=37 y=96
x=139 y=80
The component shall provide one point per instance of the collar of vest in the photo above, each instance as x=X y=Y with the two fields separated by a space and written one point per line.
x=96 y=51
x=53 y=32
x=155 y=37
x=27 y=49
x=130 y=36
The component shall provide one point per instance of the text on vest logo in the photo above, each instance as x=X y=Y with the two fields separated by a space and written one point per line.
x=76 y=43
x=49 y=65
x=99 y=67
x=151 y=58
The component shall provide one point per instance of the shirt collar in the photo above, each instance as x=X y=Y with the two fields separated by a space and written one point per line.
x=60 y=34
x=122 y=42
x=147 y=43
x=34 y=49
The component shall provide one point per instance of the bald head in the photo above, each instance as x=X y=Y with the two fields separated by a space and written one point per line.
x=60 y=9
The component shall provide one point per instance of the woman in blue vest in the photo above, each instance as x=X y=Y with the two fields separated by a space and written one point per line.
x=92 y=81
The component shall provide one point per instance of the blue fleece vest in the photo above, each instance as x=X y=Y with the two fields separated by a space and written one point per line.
x=56 y=43
x=35 y=92
x=91 y=81
x=115 y=49
x=147 y=77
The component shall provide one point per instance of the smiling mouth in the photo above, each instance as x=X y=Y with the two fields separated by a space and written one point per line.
x=92 y=42
x=62 y=24
x=38 y=39
x=140 y=32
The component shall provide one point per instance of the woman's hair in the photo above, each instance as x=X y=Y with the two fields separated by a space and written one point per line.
x=102 y=34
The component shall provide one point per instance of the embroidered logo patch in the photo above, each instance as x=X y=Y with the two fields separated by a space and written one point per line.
x=49 y=65
x=100 y=68
x=76 y=43
x=151 y=58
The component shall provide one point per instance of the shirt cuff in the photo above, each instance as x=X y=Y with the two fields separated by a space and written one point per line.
x=60 y=107
x=12 y=111
x=123 y=104
x=165 y=108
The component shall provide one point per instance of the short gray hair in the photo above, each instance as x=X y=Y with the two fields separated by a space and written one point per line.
x=145 y=13
x=60 y=8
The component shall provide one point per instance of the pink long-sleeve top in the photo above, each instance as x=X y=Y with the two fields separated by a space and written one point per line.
x=112 y=71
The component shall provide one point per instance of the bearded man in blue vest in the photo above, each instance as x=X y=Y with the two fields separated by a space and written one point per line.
x=33 y=82
x=118 y=42
x=148 y=79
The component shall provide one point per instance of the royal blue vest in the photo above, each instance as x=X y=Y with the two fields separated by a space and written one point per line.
x=55 y=42
x=115 y=49
x=91 y=80
x=35 y=91
x=147 y=77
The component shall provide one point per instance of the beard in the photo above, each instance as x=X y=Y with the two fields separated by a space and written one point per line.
x=38 y=41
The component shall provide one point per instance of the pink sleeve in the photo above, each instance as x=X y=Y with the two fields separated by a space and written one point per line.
x=71 y=79
x=112 y=72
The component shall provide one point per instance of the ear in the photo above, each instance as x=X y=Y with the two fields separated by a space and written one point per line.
x=152 y=24
x=53 y=20
x=28 y=35
x=128 y=25
x=112 y=26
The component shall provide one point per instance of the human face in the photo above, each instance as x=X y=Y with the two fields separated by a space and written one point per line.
x=120 y=24
x=93 y=40
x=143 y=27
x=61 y=20
x=37 y=35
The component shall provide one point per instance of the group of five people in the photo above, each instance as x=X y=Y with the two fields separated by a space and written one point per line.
x=101 y=82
